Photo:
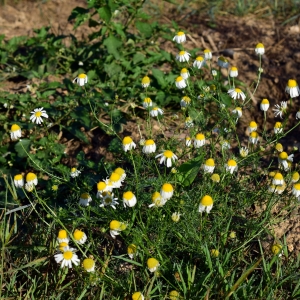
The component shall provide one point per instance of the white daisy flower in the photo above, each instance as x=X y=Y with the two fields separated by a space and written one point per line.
x=67 y=258
x=15 y=132
x=179 y=37
x=183 y=56
x=180 y=82
x=237 y=93
x=167 y=157
x=74 y=173
x=156 y=111
x=280 y=109
x=129 y=199
x=108 y=200
x=81 y=79
x=37 y=115
x=292 y=88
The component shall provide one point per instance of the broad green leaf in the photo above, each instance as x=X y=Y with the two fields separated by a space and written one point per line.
x=188 y=171
x=105 y=13
x=112 y=69
x=22 y=147
x=144 y=28
x=112 y=44
x=159 y=76
x=138 y=57
x=77 y=133
x=225 y=99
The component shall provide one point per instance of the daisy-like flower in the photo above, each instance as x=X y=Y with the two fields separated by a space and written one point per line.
x=260 y=49
x=252 y=126
x=215 y=177
x=67 y=258
x=179 y=37
x=62 y=236
x=129 y=199
x=185 y=101
x=85 y=199
x=183 y=56
x=264 y=104
x=29 y=187
x=225 y=145
x=199 y=62
x=175 y=217
x=298 y=115
x=64 y=246
x=292 y=88
x=121 y=172
x=19 y=181
x=167 y=157
x=15 y=132
x=115 y=180
x=189 y=122
x=180 y=82
x=209 y=166
x=237 y=93
x=116 y=227
x=74 y=173
x=277 y=250
x=284 y=159
x=188 y=141
x=79 y=236
x=132 y=250
x=37 y=115
x=145 y=82
x=296 y=190
x=214 y=72
x=102 y=187
x=147 y=102
x=278 y=179
x=295 y=177
x=253 y=138
x=281 y=109
x=278 y=128
x=231 y=166
x=279 y=189
x=233 y=72
x=279 y=147
x=137 y=296
x=237 y=112
x=207 y=54
x=81 y=79
x=152 y=264
x=223 y=62
x=156 y=111
x=31 y=179
x=128 y=143
x=206 y=204
x=108 y=200
x=149 y=147
x=244 y=151
x=167 y=191
x=214 y=253
x=88 y=264
x=199 y=140
x=184 y=73
x=157 y=200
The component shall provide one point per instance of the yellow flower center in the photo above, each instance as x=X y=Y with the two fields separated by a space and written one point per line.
x=174 y=295
x=207 y=200
x=210 y=162
x=149 y=142
x=283 y=155
x=253 y=124
x=123 y=226
x=78 y=235
x=223 y=59
x=265 y=101
x=114 y=224
x=85 y=196
x=186 y=99
x=15 y=127
x=295 y=176
x=276 y=249
x=147 y=100
x=68 y=255
x=146 y=80
x=214 y=252
x=62 y=234
x=206 y=51
x=55 y=187
x=137 y=296
x=119 y=171
x=156 y=196
x=73 y=170
x=200 y=137
x=278 y=176
x=260 y=45
x=179 y=33
x=215 y=177
x=292 y=83
x=127 y=140
x=278 y=125
x=38 y=114
x=254 y=134
x=152 y=263
x=181 y=53
x=279 y=147
x=131 y=249
x=88 y=263
x=238 y=108
x=115 y=177
x=128 y=195
x=30 y=177
x=155 y=108
x=179 y=78
x=62 y=246
x=167 y=187
x=184 y=70
x=18 y=177
x=231 y=163
x=234 y=69
x=297 y=186
x=101 y=186
x=168 y=154
x=200 y=58
x=272 y=174
x=238 y=90
x=82 y=76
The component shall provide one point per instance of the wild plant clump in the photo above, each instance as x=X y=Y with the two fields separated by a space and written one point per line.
x=187 y=207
